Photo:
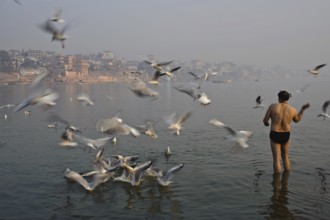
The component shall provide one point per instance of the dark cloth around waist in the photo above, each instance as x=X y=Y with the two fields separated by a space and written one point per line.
x=279 y=137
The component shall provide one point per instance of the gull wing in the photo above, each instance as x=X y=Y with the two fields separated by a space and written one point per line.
x=115 y=126
x=194 y=75
x=85 y=99
x=189 y=91
x=231 y=131
x=184 y=117
x=325 y=106
x=319 y=67
x=140 y=169
x=92 y=143
x=38 y=79
x=168 y=176
x=74 y=176
x=165 y=63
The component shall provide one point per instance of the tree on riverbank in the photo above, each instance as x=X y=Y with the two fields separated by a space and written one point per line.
x=5 y=62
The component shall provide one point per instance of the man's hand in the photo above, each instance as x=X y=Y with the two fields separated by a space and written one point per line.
x=306 y=106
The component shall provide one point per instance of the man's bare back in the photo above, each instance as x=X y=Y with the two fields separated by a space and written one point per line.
x=281 y=115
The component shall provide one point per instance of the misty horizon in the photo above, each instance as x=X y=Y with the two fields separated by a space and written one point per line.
x=266 y=34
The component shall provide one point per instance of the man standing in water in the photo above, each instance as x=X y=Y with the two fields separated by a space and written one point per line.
x=281 y=114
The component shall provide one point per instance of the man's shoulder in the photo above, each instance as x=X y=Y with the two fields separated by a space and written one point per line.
x=273 y=105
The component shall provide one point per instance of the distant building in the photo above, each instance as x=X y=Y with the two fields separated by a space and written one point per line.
x=26 y=71
x=107 y=55
x=35 y=54
x=70 y=69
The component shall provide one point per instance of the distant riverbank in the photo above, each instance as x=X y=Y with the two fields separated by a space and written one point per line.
x=12 y=78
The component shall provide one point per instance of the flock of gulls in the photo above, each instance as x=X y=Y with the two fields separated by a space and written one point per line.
x=127 y=168
x=122 y=168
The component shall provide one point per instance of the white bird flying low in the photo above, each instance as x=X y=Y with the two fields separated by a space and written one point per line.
x=85 y=99
x=160 y=73
x=259 y=102
x=133 y=175
x=89 y=186
x=158 y=66
x=176 y=125
x=116 y=126
x=101 y=167
x=91 y=143
x=140 y=89
x=203 y=99
x=45 y=98
x=148 y=129
x=192 y=90
x=324 y=113
x=315 y=70
x=240 y=137
x=164 y=178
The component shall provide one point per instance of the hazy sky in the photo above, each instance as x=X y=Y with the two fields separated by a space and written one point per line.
x=291 y=33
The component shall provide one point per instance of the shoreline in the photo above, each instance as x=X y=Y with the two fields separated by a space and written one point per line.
x=12 y=79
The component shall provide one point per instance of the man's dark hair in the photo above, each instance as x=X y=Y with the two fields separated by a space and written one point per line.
x=284 y=95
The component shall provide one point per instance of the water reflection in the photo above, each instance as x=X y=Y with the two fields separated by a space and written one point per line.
x=323 y=188
x=278 y=208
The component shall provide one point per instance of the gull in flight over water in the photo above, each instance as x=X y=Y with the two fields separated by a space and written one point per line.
x=192 y=90
x=45 y=98
x=7 y=106
x=164 y=178
x=85 y=99
x=203 y=99
x=140 y=89
x=176 y=125
x=101 y=167
x=316 y=69
x=38 y=96
x=91 y=143
x=240 y=137
x=133 y=175
x=324 y=113
x=116 y=126
x=160 y=73
x=259 y=102
x=158 y=66
x=148 y=129
x=89 y=186
x=124 y=160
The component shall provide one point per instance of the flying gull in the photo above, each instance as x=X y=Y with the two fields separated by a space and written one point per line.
x=259 y=102
x=324 y=113
x=164 y=178
x=240 y=137
x=140 y=89
x=316 y=69
x=158 y=66
x=116 y=126
x=176 y=124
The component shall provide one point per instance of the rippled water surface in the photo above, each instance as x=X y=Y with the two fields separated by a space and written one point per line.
x=220 y=180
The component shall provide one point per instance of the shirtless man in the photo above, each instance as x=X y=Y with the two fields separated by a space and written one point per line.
x=281 y=115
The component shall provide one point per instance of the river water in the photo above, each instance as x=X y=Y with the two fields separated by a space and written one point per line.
x=219 y=180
